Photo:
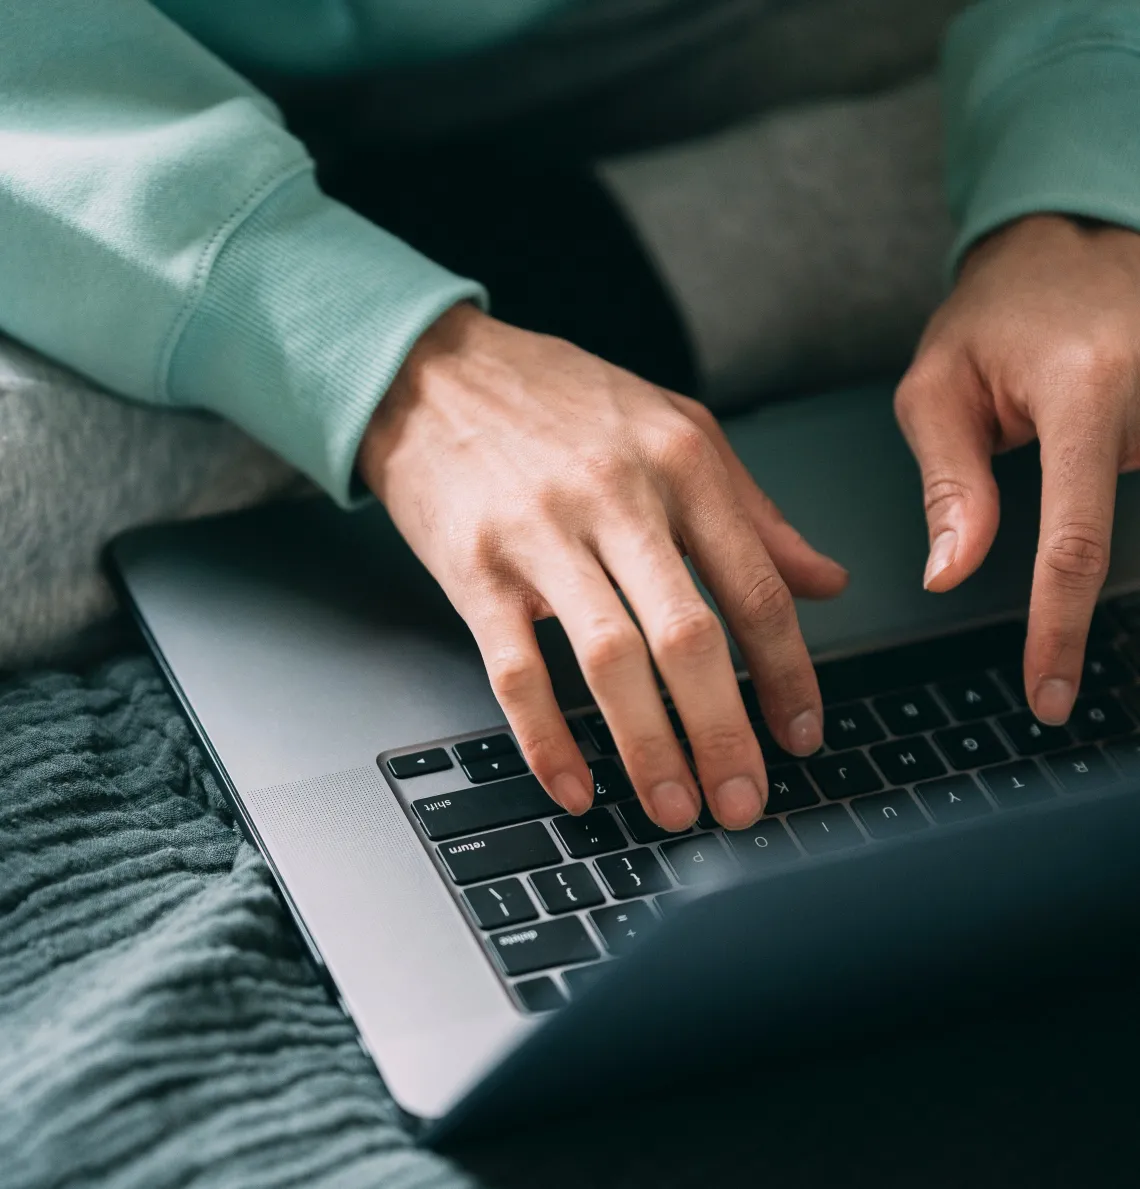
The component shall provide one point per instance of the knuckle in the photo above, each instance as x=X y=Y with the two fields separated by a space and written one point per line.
x=1095 y=358
x=943 y=491
x=611 y=646
x=766 y=600
x=926 y=374
x=606 y=470
x=728 y=745
x=1076 y=555
x=690 y=630
x=648 y=755
x=512 y=673
x=685 y=447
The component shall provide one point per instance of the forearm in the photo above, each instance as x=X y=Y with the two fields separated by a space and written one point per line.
x=161 y=232
x=1042 y=107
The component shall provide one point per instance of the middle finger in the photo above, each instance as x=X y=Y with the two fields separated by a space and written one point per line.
x=691 y=651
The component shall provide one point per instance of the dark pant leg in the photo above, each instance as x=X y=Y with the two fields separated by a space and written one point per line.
x=550 y=244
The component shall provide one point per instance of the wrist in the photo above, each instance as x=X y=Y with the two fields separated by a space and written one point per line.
x=446 y=338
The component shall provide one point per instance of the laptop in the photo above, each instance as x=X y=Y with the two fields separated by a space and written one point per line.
x=501 y=960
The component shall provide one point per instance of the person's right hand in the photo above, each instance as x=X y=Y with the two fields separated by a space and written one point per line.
x=531 y=478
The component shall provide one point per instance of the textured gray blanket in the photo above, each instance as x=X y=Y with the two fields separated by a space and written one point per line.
x=160 y=1027
x=158 y=1023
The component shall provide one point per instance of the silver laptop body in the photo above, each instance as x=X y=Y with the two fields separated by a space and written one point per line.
x=303 y=642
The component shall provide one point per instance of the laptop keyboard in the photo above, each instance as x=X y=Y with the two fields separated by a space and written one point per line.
x=916 y=738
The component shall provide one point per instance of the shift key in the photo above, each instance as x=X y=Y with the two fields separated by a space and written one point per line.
x=501 y=852
x=503 y=803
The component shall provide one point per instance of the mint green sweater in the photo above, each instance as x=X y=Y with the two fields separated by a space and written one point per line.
x=161 y=232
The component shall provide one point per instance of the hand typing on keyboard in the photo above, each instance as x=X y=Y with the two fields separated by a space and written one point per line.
x=532 y=478
x=1039 y=338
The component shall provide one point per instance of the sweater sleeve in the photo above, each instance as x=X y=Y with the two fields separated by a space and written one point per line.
x=1042 y=108
x=161 y=232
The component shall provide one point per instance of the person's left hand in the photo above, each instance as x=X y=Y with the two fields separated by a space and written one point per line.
x=1041 y=336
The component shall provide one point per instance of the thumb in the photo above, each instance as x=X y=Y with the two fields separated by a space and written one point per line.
x=948 y=420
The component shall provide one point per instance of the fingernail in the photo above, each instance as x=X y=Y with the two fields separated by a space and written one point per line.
x=738 y=802
x=1053 y=701
x=941 y=555
x=674 y=806
x=571 y=793
x=805 y=733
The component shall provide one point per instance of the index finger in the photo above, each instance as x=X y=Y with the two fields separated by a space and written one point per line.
x=1079 y=465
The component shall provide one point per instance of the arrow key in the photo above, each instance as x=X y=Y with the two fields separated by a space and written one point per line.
x=417 y=763
x=485 y=748
x=480 y=771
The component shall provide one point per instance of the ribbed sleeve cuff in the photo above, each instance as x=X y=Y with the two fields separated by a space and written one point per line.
x=306 y=315
x=1064 y=137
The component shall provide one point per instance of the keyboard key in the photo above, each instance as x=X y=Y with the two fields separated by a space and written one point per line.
x=670 y=901
x=1031 y=738
x=485 y=748
x=610 y=783
x=971 y=746
x=540 y=994
x=905 y=761
x=563 y=889
x=1013 y=679
x=1104 y=669
x=698 y=860
x=826 y=829
x=1127 y=610
x=639 y=825
x=582 y=978
x=1082 y=769
x=501 y=903
x=850 y=725
x=418 y=763
x=789 y=788
x=594 y=833
x=975 y=696
x=622 y=926
x=1019 y=783
x=766 y=844
x=538 y=947
x=910 y=711
x=635 y=873
x=1126 y=753
x=1100 y=716
x=952 y=799
x=480 y=771
x=889 y=814
x=772 y=752
x=844 y=775
x=502 y=852
x=468 y=810
x=599 y=734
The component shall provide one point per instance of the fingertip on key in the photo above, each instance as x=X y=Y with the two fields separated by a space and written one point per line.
x=805 y=733
x=738 y=803
x=673 y=806
x=1053 y=701
x=571 y=794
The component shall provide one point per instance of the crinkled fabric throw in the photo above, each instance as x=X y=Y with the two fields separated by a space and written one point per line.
x=159 y=1025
